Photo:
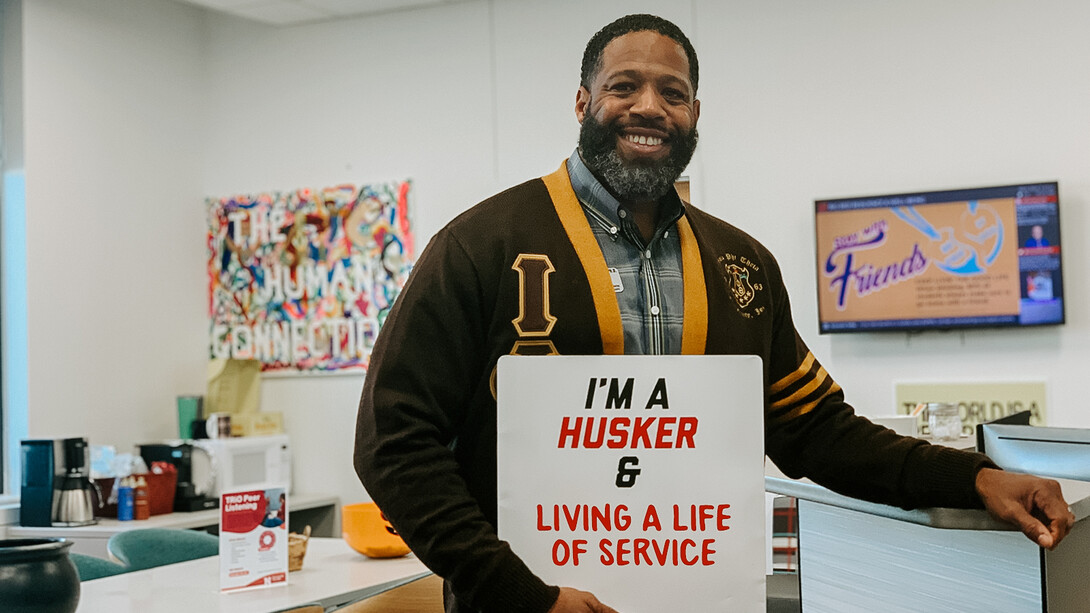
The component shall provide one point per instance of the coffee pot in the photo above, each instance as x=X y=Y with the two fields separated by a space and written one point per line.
x=56 y=490
x=72 y=501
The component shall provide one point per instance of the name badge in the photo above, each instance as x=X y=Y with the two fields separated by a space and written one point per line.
x=615 y=276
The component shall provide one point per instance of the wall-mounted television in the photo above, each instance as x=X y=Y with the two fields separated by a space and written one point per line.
x=963 y=258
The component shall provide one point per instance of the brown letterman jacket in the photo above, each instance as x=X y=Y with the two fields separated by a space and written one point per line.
x=521 y=272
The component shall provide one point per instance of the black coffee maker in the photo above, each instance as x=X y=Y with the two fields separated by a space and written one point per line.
x=56 y=488
x=188 y=495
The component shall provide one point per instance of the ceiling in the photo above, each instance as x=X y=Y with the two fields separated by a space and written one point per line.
x=290 y=12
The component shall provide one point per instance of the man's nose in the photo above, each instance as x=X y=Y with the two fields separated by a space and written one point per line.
x=648 y=104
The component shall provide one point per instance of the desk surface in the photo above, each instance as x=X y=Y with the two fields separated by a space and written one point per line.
x=332 y=573
x=1077 y=494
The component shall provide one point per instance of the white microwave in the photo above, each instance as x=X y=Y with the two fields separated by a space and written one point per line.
x=238 y=463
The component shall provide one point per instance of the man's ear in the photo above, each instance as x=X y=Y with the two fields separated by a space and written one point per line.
x=696 y=110
x=582 y=100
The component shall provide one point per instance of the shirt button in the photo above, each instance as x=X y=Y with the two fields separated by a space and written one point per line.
x=654 y=310
x=623 y=213
x=665 y=234
x=613 y=229
x=647 y=254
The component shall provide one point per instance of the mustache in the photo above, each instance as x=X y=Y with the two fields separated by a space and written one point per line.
x=639 y=122
x=636 y=180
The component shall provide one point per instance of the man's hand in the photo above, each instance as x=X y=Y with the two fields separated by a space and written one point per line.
x=572 y=600
x=1035 y=505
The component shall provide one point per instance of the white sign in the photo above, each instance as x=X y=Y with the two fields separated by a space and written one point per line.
x=253 y=539
x=637 y=478
x=978 y=402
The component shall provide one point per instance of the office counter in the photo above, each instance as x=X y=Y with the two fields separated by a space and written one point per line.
x=319 y=511
x=862 y=556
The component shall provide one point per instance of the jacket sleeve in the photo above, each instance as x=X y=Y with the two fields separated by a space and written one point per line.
x=425 y=368
x=810 y=431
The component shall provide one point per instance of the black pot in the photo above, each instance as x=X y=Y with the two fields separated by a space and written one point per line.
x=37 y=576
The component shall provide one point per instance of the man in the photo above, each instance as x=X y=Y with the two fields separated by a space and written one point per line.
x=602 y=257
x=1037 y=237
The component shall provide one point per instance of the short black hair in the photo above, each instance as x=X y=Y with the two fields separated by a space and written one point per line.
x=592 y=56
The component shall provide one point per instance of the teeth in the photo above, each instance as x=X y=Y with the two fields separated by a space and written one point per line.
x=644 y=140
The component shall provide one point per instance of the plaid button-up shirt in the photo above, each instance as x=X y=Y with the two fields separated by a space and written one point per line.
x=646 y=277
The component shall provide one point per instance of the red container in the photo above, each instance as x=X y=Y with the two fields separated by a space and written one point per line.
x=160 y=494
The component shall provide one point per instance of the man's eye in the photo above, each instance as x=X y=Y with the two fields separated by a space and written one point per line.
x=623 y=87
x=674 y=94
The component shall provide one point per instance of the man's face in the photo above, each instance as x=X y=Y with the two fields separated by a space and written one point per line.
x=639 y=116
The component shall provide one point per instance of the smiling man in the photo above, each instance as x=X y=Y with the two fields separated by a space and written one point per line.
x=638 y=109
x=602 y=256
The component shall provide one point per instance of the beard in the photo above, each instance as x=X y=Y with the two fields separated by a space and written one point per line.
x=632 y=181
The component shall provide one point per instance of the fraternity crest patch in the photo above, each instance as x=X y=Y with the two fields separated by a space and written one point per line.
x=744 y=282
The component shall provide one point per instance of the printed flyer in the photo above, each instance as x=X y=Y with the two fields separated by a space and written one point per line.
x=619 y=475
x=253 y=539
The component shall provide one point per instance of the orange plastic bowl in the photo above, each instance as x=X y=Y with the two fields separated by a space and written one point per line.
x=366 y=530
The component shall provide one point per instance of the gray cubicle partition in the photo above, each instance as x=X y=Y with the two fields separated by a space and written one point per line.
x=1051 y=452
x=861 y=556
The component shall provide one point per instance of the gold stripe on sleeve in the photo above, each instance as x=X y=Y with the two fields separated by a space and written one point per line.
x=817 y=381
x=799 y=373
x=809 y=406
x=694 y=329
x=590 y=255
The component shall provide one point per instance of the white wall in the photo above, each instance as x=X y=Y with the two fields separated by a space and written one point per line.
x=115 y=291
x=848 y=98
x=801 y=100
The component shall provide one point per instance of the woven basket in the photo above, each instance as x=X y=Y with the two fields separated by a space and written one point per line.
x=297 y=549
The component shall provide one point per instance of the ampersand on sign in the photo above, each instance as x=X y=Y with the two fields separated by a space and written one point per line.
x=626 y=477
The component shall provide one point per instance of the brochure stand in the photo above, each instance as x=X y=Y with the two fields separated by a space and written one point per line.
x=253 y=539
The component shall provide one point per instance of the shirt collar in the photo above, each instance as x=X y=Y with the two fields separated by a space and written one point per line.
x=594 y=195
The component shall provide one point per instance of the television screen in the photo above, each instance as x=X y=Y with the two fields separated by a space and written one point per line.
x=961 y=258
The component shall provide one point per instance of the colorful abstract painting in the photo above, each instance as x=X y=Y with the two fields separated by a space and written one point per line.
x=303 y=280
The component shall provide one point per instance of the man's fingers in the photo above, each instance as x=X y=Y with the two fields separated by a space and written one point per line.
x=1052 y=509
x=1030 y=526
x=1034 y=505
x=1059 y=521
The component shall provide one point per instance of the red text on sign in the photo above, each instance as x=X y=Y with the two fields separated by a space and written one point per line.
x=628 y=433
x=656 y=552
x=697 y=516
x=588 y=517
x=563 y=552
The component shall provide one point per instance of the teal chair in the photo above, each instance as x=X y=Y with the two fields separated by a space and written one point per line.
x=142 y=548
x=90 y=567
